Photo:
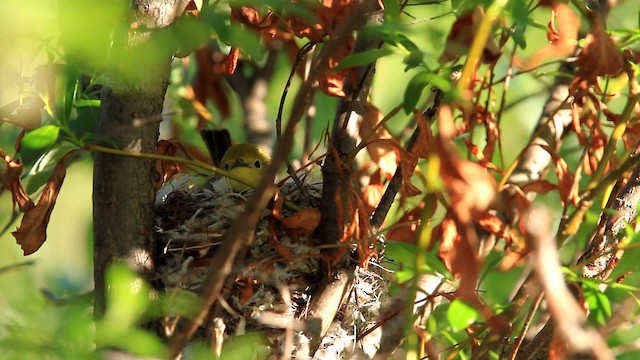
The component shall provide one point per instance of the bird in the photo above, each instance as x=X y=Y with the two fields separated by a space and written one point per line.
x=248 y=162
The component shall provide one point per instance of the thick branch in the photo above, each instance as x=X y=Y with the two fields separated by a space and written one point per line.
x=123 y=195
x=338 y=167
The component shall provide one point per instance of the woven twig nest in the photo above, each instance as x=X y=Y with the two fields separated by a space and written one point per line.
x=190 y=224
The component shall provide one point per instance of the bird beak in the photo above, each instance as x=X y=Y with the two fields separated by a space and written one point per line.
x=239 y=163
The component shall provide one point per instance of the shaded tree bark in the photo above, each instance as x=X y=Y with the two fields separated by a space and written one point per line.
x=131 y=108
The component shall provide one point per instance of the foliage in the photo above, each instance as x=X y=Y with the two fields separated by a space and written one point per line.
x=461 y=216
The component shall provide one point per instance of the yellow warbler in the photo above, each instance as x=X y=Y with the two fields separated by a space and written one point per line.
x=248 y=162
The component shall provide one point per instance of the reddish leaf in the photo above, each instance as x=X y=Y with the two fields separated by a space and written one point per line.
x=246 y=291
x=252 y=18
x=496 y=226
x=302 y=223
x=405 y=229
x=479 y=155
x=384 y=153
x=408 y=161
x=449 y=243
x=457 y=254
x=276 y=213
x=31 y=233
x=468 y=184
x=599 y=56
x=231 y=62
x=374 y=191
x=165 y=170
x=462 y=34
x=539 y=187
x=563 y=38
x=566 y=178
x=424 y=146
x=208 y=84
x=332 y=82
x=11 y=179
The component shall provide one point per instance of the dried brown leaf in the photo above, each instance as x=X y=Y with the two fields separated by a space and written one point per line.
x=331 y=82
x=302 y=223
x=32 y=232
x=539 y=187
x=462 y=34
x=408 y=163
x=563 y=38
x=384 y=153
x=374 y=191
x=566 y=178
x=468 y=184
x=208 y=84
x=405 y=228
x=599 y=56
x=11 y=179
x=231 y=61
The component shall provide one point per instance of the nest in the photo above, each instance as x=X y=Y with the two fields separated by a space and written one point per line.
x=191 y=221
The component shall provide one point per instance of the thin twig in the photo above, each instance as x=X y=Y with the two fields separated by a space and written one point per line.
x=396 y=181
x=301 y=55
x=527 y=322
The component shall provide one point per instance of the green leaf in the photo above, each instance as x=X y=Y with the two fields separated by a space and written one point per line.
x=181 y=302
x=391 y=10
x=517 y=34
x=414 y=59
x=460 y=315
x=132 y=340
x=66 y=83
x=252 y=346
x=362 y=58
x=41 y=138
x=37 y=142
x=40 y=173
x=237 y=36
x=414 y=90
x=85 y=124
x=599 y=304
x=127 y=300
x=128 y=296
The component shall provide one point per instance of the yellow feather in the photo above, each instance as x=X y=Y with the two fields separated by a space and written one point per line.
x=246 y=161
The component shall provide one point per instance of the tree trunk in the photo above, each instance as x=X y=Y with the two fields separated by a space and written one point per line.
x=131 y=109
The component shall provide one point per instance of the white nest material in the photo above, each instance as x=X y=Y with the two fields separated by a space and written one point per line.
x=190 y=224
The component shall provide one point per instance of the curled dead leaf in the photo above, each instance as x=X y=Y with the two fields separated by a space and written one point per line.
x=32 y=232
x=599 y=57
x=11 y=179
x=374 y=191
x=302 y=223
x=562 y=34
x=384 y=153
x=462 y=34
x=566 y=178
x=164 y=169
x=468 y=184
x=405 y=229
x=209 y=84
x=231 y=61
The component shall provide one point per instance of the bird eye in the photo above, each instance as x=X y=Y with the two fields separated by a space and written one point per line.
x=257 y=164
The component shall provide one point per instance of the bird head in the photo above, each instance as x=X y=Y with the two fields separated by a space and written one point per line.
x=246 y=161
